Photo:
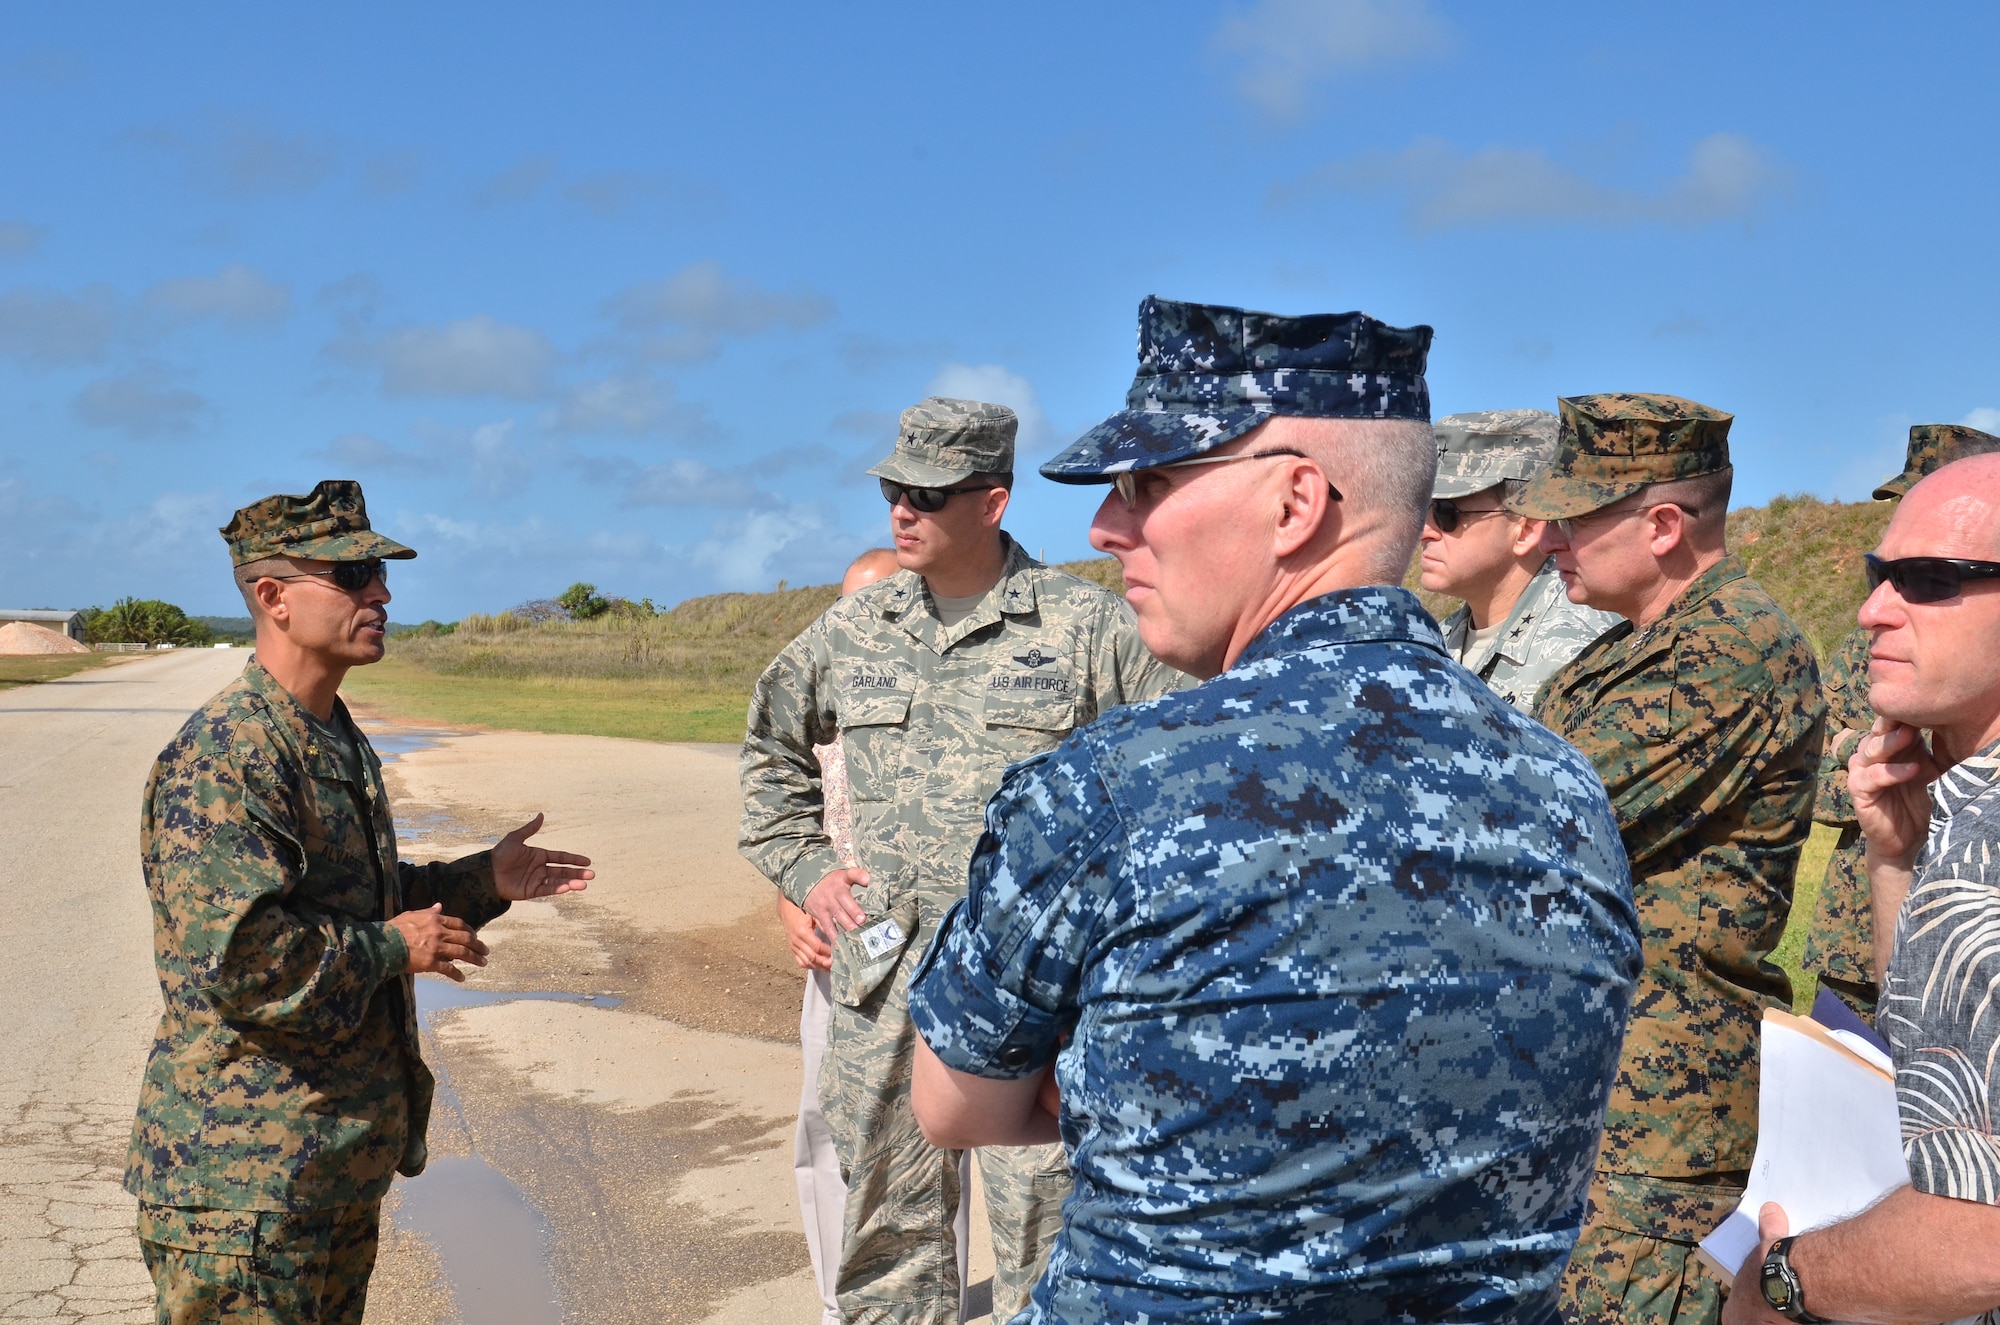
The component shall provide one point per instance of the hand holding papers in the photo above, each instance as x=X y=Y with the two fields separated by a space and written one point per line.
x=1829 y=1143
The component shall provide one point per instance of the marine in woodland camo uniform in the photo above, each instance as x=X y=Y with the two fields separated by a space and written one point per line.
x=1705 y=726
x=1341 y=943
x=285 y=1088
x=1484 y=452
x=1840 y=944
x=929 y=717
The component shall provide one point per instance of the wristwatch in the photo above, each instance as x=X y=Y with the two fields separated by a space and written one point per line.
x=1780 y=1285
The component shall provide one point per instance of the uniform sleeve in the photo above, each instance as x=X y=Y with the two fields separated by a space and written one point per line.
x=225 y=863
x=463 y=886
x=1714 y=730
x=783 y=831
x=1848 y=719
x=1001 y=981
x=1124 y=669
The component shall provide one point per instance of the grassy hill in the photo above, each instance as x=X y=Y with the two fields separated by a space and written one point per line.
x=686 y=674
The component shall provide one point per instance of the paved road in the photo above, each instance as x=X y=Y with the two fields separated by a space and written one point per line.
x=76 y=948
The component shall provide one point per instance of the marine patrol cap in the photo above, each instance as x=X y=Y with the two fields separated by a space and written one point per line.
x=328 y=524
x=1933 y=446
x=942 y=441
x=1208 y=373
x=1478 y=450
x=1613 y=444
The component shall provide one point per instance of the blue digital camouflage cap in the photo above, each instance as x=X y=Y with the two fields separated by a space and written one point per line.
x=1209 y=373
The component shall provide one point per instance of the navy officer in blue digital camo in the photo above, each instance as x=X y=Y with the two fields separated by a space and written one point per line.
x=1332 y=954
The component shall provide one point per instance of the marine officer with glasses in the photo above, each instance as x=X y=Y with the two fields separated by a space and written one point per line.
x=1840 y=944
x=1516 y=625
x=1702 y=713
x=286 y=1087
x=972 y=657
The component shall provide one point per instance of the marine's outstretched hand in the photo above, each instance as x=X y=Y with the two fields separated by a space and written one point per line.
x=522 y=873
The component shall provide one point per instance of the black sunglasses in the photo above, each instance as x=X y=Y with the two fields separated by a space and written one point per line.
x=1446 y=513
x=927 y=500
x=352 y=576
x=1927 y=579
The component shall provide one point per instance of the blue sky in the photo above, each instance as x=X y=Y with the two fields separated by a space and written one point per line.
x=632 y=294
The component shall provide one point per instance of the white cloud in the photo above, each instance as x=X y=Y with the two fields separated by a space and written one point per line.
x=753 y=551
x=18 y=238
x=1985 y=418
x=997 y=386
x=1726 y=177
x=700 y=303
x=237 y=294
x=244 y=159
x=138 y=404
x=689 y=483
x=474 y=356
x=1286 y=46
x=632 y=404
x=517 y=183
x=54 y=329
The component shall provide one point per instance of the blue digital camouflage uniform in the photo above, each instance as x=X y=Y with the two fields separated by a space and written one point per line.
x=1344 y=947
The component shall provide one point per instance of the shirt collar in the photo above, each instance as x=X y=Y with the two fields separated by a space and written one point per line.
x=1535 y=600
x=1013 y=595
x=1966 y=781
x=1704 y=587
x=1376 y=613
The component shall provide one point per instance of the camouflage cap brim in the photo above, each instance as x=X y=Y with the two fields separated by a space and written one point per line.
x=1146 y=439
x=1460 y=474
x=359 y=545
x=1560 y=497
x=1892 y=488
x=908 y=470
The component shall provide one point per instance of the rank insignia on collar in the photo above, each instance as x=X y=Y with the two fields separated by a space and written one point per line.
x=1034 y=657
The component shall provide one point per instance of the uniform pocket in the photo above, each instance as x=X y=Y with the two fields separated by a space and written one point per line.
x=1028 y=712
x=867 y=955
x=212 y=1232
x=872 y=724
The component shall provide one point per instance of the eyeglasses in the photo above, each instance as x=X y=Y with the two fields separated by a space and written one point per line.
x=1446 y=513
x=1927 y=579
x=1126 y=484
x=1568 y=527
x=352 y=576
x=928 y=500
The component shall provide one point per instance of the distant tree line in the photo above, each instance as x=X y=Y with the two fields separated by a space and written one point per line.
x=144 y=621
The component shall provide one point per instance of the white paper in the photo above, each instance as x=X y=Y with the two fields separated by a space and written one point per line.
x=1829 y=1143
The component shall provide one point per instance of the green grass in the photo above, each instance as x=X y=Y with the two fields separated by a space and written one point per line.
x=646 y=710
x=22 y=671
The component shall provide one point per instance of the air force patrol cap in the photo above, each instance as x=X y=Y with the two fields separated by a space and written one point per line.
x=1209 y=373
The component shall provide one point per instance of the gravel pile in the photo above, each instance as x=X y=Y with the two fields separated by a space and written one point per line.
x=23 y=637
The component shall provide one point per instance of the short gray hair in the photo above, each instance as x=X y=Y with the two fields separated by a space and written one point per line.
x=250 y=572
x=1385 y=470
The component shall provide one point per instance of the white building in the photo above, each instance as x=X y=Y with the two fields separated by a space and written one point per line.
x=67 y=623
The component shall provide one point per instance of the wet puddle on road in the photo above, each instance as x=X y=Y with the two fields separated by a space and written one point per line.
x=493 y=1243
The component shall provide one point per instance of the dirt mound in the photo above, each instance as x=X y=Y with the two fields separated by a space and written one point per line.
x=19 y=637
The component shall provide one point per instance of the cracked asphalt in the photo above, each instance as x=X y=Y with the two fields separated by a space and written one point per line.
x=76 y=944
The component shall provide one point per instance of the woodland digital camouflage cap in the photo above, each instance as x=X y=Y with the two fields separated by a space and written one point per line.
x=1209 y=373
x=1476 y=451
x=941 y=441
x=1933 y=446
x=329 y=524
x=1616 y=443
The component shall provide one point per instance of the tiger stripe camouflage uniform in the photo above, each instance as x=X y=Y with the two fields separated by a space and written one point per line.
x=1840 y=943
x=929 y=718
x=1705 y=727
x=285 y=1087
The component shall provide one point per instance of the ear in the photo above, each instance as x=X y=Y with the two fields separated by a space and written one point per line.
x=1527 y=535
x=996 y=506
x=1305 y=508
x=270 y=596
x=1667 y=529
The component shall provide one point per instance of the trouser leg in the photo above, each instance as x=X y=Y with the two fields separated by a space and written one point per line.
x=898 y=1261
x=815 y=1163
x=221 y=1267
x=1621 y=1277
x=1025 y=1189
